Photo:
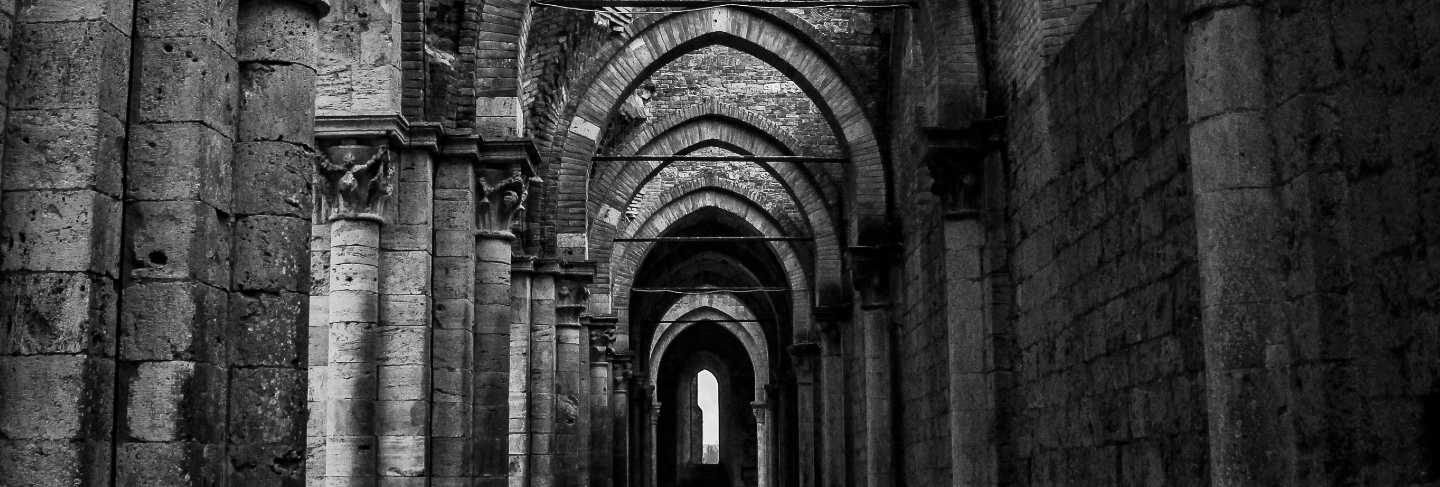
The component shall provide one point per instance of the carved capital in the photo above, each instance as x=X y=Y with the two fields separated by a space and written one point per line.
x=502 y=196
x=602 y=336
x=870 y=268
x=804 y=355
x=355 y=180
x=956 y=159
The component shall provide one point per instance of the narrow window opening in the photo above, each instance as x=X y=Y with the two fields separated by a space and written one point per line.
x=708 y=392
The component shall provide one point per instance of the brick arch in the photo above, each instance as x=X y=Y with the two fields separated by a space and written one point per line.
x=605 y=236
x=617 y=184
x=788 y=225
x=749 y=335
x=625 y=260
x=753 y=32
x=711 y=107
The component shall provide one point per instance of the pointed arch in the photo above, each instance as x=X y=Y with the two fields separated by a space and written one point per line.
x=749 y=31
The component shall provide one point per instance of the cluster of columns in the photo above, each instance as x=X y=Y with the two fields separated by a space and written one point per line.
x=155 y=181
x=442 y=357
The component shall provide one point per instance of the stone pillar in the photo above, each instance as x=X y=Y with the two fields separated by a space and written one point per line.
x=542 y=373
x=519 y=398
x=174 y=304
x=504 y=190
x=570 y=301
x=871 y=267
x=764 y=458
x=452 y=355
x=956 y=160
x=652 y=442
x=806 y=357
x=621 y=407
x=274 y=156
x=834 y=437
x=356 y=182
x=403 y=348
x=602 y=423
x=1241 y=247
x=60 y=239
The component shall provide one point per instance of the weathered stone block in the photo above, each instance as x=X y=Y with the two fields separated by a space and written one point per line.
x=451 y=457
x=276 y=103
x=415 y=202
x=451 y=348
x=279 y=32
x=451 y=419
x=405 y=310
x=173 y=463
x=57 y=313
x=59 y=231
x=273 y=178
x=402 y=418
x=354 y=277
x=450 y=385
x=454 y=243
x=56 y=397
x=172 y=400
x=404 y=382
x=267 y=405
x=83 y=64
x=115 y=12
x=174 y=321
x=268 y=464
x=186 y=79
x=406 y=272
x=43 y=462
x=454 y=314
x=350 y=417
x=213 y=20
x=350 y=455
x=178 y=240
x=179 y=161
x=402 y=456
x=268 y=329
x=78 y=148
x=271 y=254
x=405 y=237
x=353 y=306
x=403 y=345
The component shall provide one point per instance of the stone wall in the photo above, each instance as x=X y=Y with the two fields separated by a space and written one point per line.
x=1351 y=110
x=1108 y=374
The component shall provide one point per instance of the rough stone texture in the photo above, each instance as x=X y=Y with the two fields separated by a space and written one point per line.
x=1203 y=252
x=1349 y=90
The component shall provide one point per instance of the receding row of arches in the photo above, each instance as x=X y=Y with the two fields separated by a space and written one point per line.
x=713 y=274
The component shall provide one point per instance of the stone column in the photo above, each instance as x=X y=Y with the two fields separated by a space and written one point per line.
x=764 y=458
x=504 y=190
x=403 y=349
x=356 y=183
x=174 y=301
x=570 y=300
x=1241 y=247
x=542 y=373
x=519 y=398
x=652 y=442
x=833 y=399
x=452 y=355
x=60 y=238
x=956 y=160
x=621 y=407
x=274 y=155
x=806 y=357
x=871 y=267
x=602 y=423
